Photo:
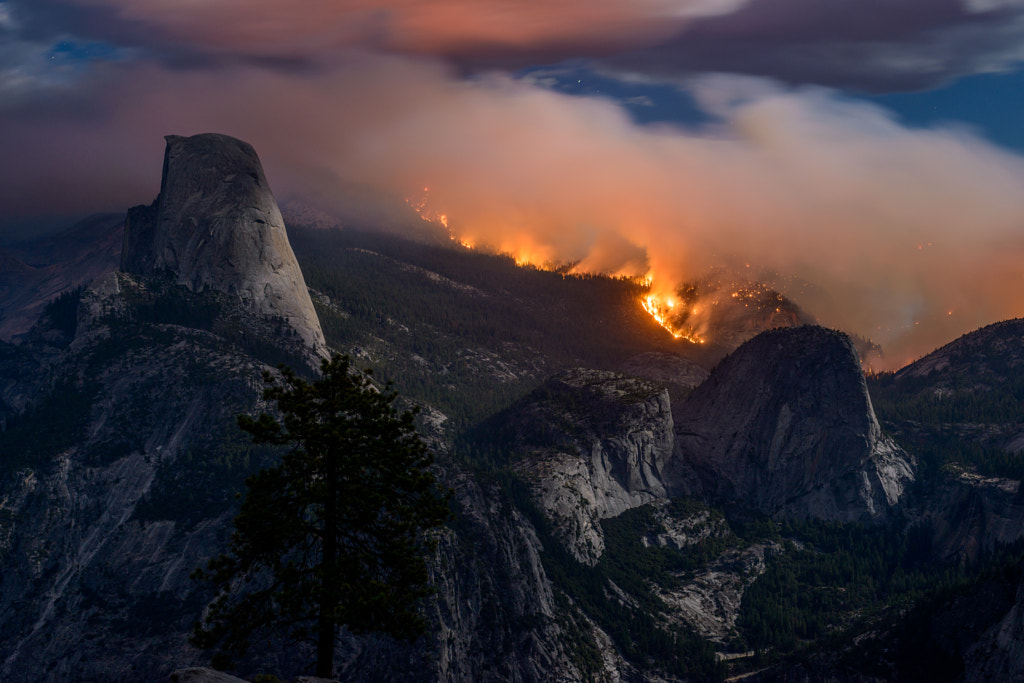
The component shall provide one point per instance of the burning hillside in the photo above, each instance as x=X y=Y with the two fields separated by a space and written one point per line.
x=723 y=312
x=719 y=310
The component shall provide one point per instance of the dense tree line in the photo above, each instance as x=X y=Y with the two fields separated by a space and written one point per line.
x=385 y=295
x=829 y=572
x=934 y=421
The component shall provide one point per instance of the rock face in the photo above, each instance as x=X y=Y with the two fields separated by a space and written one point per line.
x=679 y=375
x=999 y=653
x=594 y=444
x=216 y=225
x=785 y=424
x=86 y=545
x=710 y=602
x=971 y=514
x=101 y=527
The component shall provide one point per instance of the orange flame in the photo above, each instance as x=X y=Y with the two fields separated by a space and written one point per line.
x=660 y=307
x=422 y=208
x=526 y=253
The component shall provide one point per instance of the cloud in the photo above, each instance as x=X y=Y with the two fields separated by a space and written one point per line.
x=311 y=29
x=910 y=236
x=875 y=45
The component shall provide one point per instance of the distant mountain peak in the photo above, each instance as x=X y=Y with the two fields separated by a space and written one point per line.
x=216 y=224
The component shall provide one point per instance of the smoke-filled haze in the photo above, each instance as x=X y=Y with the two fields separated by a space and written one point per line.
x=909 y=234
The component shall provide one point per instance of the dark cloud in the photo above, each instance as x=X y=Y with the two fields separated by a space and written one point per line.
x=868 y=44
x=873 y=45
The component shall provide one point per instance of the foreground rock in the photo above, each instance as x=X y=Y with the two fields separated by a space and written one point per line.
x=785 y=425
x=202 y=674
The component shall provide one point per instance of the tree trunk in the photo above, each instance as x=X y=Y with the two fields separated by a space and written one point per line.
x=328 y=592
x=325 y=646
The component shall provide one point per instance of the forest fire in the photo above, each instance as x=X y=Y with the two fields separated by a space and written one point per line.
x=421 y=207
x=722 y=307
x=529 y=255
x=660 y=308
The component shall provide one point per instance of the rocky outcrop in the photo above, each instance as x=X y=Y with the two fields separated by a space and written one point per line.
x=216 y=225
x=679 y=375
x=709 y=602
x=495 y=615
x=999 y=653
x=785 y=425
x=98 y=533
x=594 y=444
x=970 y=515
x=202 y=674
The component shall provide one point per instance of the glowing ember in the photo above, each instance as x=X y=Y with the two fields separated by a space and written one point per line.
x=530 y=255
x=659 y=308
x=421 y=207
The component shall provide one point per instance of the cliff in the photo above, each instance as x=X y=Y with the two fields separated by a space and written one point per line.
x=593 y=444
x=217 y=225
x=785 y=425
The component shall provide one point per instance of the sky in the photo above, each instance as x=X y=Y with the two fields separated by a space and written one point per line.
x=869 y=150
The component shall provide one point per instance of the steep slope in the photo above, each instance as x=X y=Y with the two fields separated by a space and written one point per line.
x=216 y=225
x=976 y=360
x=592 y=444
x=973 y=385
x=101 y=525
x=960 y=408
x=34 y=272
x=466 y=331
x=118 y=464
x=88 y=546
x=571 y=557
x=998 y=655
x=785 y=425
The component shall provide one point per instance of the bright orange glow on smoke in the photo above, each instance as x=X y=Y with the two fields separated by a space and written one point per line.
x=830 y=197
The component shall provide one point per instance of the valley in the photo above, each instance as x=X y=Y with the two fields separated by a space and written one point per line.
x=628 y=505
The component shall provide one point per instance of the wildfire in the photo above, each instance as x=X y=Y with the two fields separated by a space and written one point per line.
x=421 y=206
x=660 y=308
x=526 y=253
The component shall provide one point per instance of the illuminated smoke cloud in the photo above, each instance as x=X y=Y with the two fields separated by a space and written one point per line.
x=909 y=237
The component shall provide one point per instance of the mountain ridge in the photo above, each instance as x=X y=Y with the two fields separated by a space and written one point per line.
x=595 y=538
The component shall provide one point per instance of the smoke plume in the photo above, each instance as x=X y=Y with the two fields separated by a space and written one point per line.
x=907 y=236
